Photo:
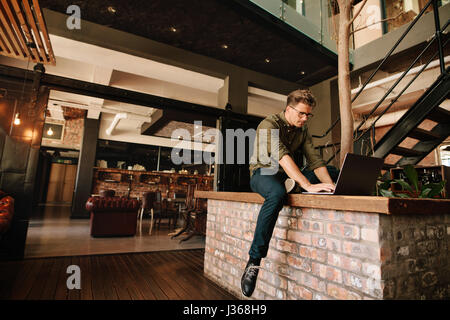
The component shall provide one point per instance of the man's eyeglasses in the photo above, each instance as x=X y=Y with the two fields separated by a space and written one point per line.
x=301 y=114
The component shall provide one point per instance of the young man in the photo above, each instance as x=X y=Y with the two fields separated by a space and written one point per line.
x=291 y=129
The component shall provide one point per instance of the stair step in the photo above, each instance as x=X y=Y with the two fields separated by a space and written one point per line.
x=440 y=115
x=406 y=152
x=423 y=135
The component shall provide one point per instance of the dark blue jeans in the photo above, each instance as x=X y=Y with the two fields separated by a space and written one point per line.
x=272 y=189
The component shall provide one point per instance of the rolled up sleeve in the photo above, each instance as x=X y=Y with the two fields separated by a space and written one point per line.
x=311 y=154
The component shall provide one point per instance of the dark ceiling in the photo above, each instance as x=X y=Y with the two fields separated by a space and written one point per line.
x=256 y=40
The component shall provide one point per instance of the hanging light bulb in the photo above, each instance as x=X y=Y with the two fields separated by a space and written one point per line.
x=50 y=131
x=17 y=120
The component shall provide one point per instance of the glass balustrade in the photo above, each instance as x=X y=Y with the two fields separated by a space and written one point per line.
x=318 y=19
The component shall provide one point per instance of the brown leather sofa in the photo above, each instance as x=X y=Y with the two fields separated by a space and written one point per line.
x=113 y=216
x=6 y=211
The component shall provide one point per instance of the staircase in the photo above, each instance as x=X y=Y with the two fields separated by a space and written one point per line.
x=426 y=107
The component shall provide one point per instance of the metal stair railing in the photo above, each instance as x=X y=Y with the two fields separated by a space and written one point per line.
x=437 y=36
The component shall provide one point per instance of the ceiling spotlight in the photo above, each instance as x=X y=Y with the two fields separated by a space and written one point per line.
x=17 y=120
x=267 y=60
x=112 y=10
x=224 y=46
x=173 y=29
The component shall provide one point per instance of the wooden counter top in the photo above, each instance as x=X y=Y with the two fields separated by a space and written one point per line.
x=346 y=203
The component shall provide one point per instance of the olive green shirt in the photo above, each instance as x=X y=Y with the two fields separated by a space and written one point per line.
x=290 y=140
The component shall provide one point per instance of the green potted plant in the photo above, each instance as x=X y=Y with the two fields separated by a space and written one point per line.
x=411 y=186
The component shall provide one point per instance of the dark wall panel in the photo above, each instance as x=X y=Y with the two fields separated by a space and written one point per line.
x=19 y=151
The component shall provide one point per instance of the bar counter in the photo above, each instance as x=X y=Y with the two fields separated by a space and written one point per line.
x=134 y=183
x=333 y=247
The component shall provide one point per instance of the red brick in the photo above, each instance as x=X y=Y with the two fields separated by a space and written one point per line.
x=369 y=234
x=361 y=218
x=372 y=270
x=299 y=291
x=275 y=280
x=266 y=288
x=248 y=235
x=299 y=237
x=343 y=230
x=385 y=254
x=311 y=213
x=361 y=250
x=286 y=246
x=210 y=233
x=362 y=284
x=299 y=263
x=327 y=272
x=292 y=223
x=282 y=222
x=341 y=293
x=310 y=225
x=313 y=253
x=312 y=282
x=280 y=233
x=235 y=232
x=324 y=242
x=277 y=256
x=332 y=215
x=344 y=262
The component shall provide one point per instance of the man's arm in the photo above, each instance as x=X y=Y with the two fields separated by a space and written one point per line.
x=323 y=175
x=292 y=170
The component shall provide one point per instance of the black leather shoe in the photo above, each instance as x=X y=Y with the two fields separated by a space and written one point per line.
x=248 y=280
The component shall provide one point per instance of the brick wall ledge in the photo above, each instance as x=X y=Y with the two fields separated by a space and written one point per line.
x=346 y=203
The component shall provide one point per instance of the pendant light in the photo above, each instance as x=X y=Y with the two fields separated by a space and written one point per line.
x=17 y=119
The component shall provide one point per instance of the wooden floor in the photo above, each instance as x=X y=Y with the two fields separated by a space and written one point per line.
x=161 y=275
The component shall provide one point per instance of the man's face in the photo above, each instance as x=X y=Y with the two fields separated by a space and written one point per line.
x=297 y=115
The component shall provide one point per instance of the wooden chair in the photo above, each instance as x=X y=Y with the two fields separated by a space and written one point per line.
x=195 y=216
x=162 y=210
x=148 y=199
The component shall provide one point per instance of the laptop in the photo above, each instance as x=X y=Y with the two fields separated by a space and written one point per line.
x=358 y=176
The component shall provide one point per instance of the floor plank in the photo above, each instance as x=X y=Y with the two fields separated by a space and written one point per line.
x=86 y=278
x=145 y=284
x=61 y=290
x=161 y=275
x=204 y=285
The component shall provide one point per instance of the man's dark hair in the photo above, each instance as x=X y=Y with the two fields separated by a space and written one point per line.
x=301 y=95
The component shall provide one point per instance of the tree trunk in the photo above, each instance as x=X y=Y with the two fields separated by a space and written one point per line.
x=345 y=104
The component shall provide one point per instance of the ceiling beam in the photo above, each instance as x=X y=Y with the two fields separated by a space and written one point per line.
x=100 y=75
x=120 y=95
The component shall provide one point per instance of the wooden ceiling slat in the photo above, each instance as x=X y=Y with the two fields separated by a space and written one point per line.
x=15 y=42
x=3 y=46
x=37 y=34
x=22 y=40
x=6 y=39
x=43 y=27
x=26 y=30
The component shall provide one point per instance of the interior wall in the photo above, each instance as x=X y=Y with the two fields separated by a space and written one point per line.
x=72 y=136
